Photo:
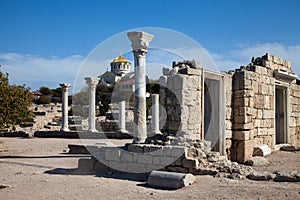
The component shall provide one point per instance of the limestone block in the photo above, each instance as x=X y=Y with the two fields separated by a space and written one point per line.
x=100 y=167
x=113 y=154
x=85 y=164
x=268 y=114
x=145 y=158
x=259 y=101
x=269 y=140
x=177 y=169
x=119 y=166
x=190 y=163
x=262 y=150
x=156 y=160
x=178 y=151
x=241 y=135
x=228 y=134
x=261 y=176
x=136 y=168
x=257 y=161
x=170 y=82
x=283 y=176
x=178 y=82
x=292 y=121
x=290 y=148
x=191 y=71
x=228 y=124
x=244 y=150
x=127 y=156
x=167 y=160
x=213 y=156
x=258 y=141
x=240 y=126
x=169 y=180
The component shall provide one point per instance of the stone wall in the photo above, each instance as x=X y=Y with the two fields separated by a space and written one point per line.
x=228 y=111
x=112 y=126
x=254 y=105
x=294 y=124
x=181 y=97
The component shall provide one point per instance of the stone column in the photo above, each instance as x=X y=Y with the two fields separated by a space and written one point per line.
x=92 y=83
x=122 y=120
x=139 y=43
x=65 y=88
x=155 y=114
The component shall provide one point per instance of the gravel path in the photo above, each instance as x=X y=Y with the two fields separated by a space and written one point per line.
x=24 y=164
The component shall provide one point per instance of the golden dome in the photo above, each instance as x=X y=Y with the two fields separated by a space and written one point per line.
x=120 y=59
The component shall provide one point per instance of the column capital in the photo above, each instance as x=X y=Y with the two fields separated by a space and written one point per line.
x=92 y=82
x=65 y=85
x=139 y=40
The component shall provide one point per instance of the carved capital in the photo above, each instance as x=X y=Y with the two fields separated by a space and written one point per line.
x=139 y=40
x=92 y=82
x=65 y=86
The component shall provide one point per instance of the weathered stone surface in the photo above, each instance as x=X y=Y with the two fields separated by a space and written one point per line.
x=85 y=164
x=206 y=171
x=290 y=148
x=261 y=176
x=262 y=150
x=213 y=156
x=257 y=161
x=77 y=149
x=169 y=180
x=282 y=176
x=190 y=163
x=100 y=167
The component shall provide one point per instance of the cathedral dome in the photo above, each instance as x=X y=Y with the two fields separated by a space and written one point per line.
x=120 y=59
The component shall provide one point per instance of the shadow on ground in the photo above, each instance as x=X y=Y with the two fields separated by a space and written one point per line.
x=122 y=175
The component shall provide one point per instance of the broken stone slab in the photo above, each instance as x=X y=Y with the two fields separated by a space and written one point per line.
x=261 y=176
x=206 y=171
x=257 y=161
x=169 y=180
x=213 y=156
x=290 y=148
x=282 y=176
x=262 y=150
x=234 y=176
x=190 y=71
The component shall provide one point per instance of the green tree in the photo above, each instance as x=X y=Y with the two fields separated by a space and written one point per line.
x=14 y=103
x=44 y=99
x=45 y=91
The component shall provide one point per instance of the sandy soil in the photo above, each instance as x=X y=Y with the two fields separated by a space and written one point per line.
x=25 y=166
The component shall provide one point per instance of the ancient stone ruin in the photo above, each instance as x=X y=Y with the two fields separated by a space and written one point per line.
x=212 y=117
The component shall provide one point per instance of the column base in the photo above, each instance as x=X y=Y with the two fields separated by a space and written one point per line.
x=156 y=132
x=64 y=129
x=139 y=140
x=123 y=131
x=93 y=130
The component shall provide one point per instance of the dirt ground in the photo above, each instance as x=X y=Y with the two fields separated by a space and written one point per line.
x=25 y=165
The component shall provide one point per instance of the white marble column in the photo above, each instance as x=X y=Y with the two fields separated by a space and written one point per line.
x=155 y=114
x=140 y=42
x=65 y=123
x=92 y=83
x=122 y=119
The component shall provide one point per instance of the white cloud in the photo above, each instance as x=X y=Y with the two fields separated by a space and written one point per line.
x=36 y=71
x=244 y=53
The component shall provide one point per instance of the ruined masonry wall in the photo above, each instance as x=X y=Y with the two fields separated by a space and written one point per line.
x=228 y=111
x=181 y=98
x=294 y=124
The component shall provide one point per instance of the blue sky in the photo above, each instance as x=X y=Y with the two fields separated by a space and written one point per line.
x=44 y=42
